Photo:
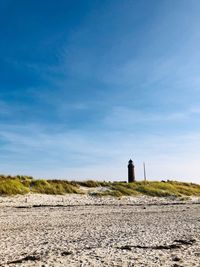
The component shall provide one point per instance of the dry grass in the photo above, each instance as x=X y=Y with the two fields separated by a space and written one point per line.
x=92 y=183
x=12 y=187
x=158 y=189
x=53 y=187
x=24 y=184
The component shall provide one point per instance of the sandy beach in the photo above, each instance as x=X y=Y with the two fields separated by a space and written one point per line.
x=86 y=230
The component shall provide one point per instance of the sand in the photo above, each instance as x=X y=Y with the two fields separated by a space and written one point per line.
x=85 y=230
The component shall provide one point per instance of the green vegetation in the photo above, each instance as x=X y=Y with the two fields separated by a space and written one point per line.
x=12 y=187
x=24 y=184
x=92 y=183
x=53 y=187
x=89 y=183
x=158 y=189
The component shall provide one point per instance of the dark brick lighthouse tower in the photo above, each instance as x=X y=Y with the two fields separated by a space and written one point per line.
x=131 y=172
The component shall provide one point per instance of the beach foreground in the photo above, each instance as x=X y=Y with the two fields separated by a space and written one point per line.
x=84 y=230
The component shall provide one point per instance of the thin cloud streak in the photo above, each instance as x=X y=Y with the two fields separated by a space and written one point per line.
x=81 y=153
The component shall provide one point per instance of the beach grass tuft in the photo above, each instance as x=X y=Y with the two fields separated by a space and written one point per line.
x=12 y=185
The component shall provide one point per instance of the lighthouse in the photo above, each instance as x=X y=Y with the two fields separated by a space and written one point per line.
x=131 y=172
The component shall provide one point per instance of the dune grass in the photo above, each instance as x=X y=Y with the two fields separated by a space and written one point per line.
x=53 y=187
x=92 y=183
x=24 y=184
x=158 y=189
x=12 y=187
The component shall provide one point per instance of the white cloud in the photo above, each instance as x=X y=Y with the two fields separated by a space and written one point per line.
x=36 y=151
x=120 y=117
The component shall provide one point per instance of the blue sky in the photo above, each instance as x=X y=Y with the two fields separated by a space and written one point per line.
x=86 y=85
